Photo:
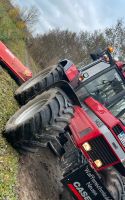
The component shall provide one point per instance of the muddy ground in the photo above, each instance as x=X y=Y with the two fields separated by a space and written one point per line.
x=39 y=177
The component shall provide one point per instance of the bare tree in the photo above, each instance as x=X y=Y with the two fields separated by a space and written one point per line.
x=115 y=36
x=30 y=16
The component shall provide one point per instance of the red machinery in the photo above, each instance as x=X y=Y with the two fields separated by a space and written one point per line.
x=13 y=65
x=89 y=113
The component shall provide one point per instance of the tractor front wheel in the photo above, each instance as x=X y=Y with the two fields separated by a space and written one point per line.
x=114 y=183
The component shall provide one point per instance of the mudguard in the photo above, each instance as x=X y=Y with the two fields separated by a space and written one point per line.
x=71 y=71
x=67 y=88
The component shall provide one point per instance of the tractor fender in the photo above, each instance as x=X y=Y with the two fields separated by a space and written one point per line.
x=71 y=71
x=67 y=88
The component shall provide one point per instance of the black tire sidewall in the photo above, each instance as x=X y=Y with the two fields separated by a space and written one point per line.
x=11 y=123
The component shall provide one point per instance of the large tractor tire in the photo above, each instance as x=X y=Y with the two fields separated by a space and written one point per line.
x=33 y=123
x=115 y=183
x=39 y=83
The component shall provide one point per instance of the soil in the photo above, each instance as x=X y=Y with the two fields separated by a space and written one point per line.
x=39 y=176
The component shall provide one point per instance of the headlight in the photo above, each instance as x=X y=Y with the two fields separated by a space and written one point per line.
x=98 y=163
x=86 y=146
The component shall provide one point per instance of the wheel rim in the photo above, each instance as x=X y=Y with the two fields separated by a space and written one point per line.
x=31 y=111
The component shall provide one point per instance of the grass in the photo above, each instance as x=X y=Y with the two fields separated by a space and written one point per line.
x=9 y=165
x=8 y=157
x=9 y=33
x=12 y=36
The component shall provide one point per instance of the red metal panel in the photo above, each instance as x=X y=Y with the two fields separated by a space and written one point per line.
x=72 y=72
x=119 y=64
x=105 y=115
x=80 y=122
x=13 y=63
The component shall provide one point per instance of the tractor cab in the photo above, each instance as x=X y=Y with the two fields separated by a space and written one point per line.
x=103 y=81
x=104 y=86
x=102 y=96
x=107 y=87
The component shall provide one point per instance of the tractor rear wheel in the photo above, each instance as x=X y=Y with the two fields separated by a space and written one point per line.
x=39 y=83
x=114 y=182
x=33 y=124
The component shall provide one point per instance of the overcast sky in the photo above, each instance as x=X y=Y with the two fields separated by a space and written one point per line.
x=75 y=15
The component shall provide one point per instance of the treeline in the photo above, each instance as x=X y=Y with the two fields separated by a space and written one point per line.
x=49 y=48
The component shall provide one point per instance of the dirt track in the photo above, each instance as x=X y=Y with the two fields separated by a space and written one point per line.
x=37 y=181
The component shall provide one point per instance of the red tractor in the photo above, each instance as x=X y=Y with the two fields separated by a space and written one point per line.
x=81 y=119
x=14 y=67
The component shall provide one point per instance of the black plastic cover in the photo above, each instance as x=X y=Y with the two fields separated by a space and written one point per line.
x=84 y=183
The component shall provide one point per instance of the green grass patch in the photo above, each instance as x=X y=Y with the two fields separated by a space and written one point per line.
x=10 y=34
x=14 y=39
x=8 y=157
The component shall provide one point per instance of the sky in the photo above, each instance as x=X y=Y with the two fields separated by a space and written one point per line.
x=75 y=15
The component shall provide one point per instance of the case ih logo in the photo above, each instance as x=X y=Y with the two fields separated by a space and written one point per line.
x=79 y=191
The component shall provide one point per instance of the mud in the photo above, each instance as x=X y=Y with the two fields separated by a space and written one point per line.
x=39 y=177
